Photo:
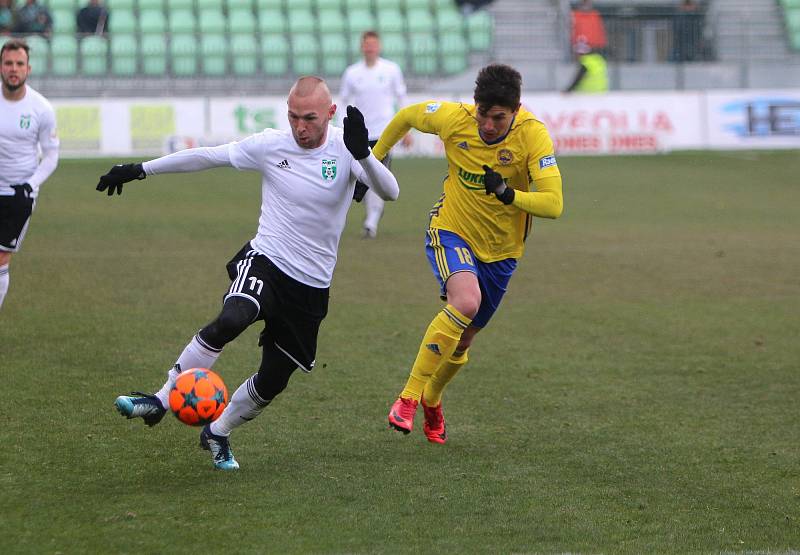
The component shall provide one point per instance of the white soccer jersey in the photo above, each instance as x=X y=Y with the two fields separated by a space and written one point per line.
x=378 y=91
x=25 y=126
x=305 y=195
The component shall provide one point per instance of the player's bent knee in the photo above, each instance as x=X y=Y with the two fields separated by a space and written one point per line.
x=237 y=314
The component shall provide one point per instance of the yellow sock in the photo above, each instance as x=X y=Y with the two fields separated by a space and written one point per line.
x=438 y=344
x=443 y=376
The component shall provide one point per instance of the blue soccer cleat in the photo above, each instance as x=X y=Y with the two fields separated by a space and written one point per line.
x=141 y=405
x=220 y=448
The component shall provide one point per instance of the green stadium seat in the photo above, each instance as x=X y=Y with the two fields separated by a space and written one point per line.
x=240 y=5
x=305 y=54
x=152 y=21
x=449 y=20
x=183 y=55
x=359 y=21
x=438 y=5
x=52 y=5
x=271 y=22
x=173 y=5
x=39 y=54
x=274 y=55
x=64 y=48
x=241 y=21
x=269 y=5
x=182 y=22
x=151 y=5
x=211 y=21
x=214 y=54
x=123 y=54
x=386 y=5
x=394 y=46
x=94 y=55
x=244 y=54
x=350 y=5
x=480 y=28
x=423 y=54
x=114 y=5
x=790 y=3
x=331 y=20
x=299 y=5
x=124 y=21
x=334 y=48
x=154 y=54
x=301 y=21
x=416 y=4
x=329 y=4
x=390 y=20
x=794 y=40
x=420 y=21
x=208 y=5
x=453 y=51
x=63 y=21
x=793 y=19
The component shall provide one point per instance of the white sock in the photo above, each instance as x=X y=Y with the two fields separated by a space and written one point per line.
x=4 y=279
x=245 y=404
x=374 y=205
x=196 y=355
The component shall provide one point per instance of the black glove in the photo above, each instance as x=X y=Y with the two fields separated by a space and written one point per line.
x=119 y=174
x=494 y=184
x=359 y=192
x=356 y=137
x=23 y=190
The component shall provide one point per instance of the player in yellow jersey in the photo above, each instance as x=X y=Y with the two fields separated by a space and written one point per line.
x=502 y=172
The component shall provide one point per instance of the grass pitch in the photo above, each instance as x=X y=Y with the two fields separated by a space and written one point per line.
x=637 y=392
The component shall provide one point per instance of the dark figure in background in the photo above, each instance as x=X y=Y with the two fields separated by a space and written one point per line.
x=33 y=18
x=6 y=16
x=93 y=18
x=687 y=29
x=469 y=6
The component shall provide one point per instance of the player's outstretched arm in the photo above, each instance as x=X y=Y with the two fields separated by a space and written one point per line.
x=376 y=176
x=189 y=160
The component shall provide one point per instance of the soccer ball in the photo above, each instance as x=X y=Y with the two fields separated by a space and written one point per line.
x=198 y=397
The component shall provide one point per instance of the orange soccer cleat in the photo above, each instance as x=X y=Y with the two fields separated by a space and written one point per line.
x=401 y=415
x=434 y=427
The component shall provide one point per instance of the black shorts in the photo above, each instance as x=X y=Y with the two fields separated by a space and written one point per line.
x=292 y=311
x=15 y=214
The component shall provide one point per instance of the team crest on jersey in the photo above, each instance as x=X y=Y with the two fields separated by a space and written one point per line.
x=329 y=170
x=463 y=145
x=505 y=156
x=431 y=107
x=25 y=121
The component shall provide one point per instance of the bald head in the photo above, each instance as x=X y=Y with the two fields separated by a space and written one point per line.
x=311 y=86
x=311 y=108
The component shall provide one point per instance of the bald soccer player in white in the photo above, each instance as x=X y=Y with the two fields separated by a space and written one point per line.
x=375 y=86
x=282 y=276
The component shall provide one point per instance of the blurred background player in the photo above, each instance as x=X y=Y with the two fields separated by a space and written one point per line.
x=27 y=124
x=283 y=275
x=501 y=173
x=376 y=86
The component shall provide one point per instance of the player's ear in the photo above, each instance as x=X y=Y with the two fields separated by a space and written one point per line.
x=331 y=111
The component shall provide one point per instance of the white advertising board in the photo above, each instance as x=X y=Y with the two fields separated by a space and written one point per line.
x=753 y=119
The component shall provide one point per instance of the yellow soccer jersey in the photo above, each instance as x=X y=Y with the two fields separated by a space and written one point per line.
x=524 y=158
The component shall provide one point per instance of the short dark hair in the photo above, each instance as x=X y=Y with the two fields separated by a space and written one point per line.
x=370 y=34
x=16 y=44
x=498 y=85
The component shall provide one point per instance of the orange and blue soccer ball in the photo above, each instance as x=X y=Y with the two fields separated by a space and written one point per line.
x=198 y=397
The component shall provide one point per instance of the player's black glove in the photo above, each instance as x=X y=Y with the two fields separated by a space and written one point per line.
x=356 y=137
x=359 y=192
x=494 y=184
x=22 y=190
x=119 y=174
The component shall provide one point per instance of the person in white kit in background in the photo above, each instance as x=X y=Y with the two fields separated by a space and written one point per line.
x=283 y=275
x=376 y=87
x=27 y=124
